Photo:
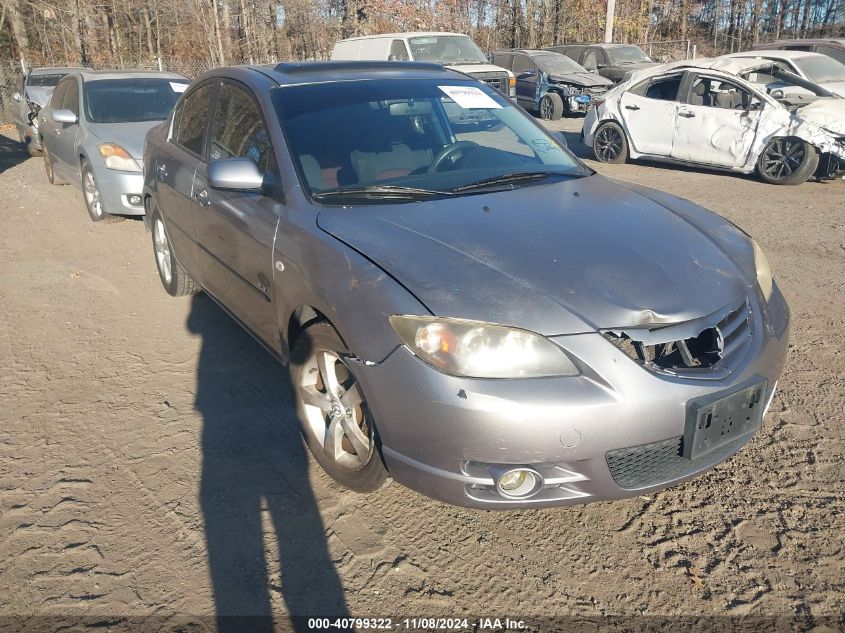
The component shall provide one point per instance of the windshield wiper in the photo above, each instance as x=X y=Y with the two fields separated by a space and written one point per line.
x=382 y=191
x=511 y=178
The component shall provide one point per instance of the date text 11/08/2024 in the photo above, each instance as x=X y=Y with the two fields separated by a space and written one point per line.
x=414 y=624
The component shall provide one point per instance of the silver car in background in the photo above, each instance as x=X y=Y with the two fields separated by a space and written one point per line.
x=32 y=93
x=92 y=135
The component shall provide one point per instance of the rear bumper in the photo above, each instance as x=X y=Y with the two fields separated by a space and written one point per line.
x=447 y=437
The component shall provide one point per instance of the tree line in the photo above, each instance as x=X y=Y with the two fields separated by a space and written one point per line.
x=123 y=33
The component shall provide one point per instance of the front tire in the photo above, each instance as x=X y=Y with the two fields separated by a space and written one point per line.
x=332 y=410
x=610 y=144
x=551 y=107
x=787 y=161
x=173 y=277
x=48 y=166
x=92 y=198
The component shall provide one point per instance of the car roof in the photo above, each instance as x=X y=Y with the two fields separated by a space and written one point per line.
x=809 y=40
x=598 y=44
x=295 y=73
x=98 y=75
x=402 y=35
x=776 y=52
x=56 y=69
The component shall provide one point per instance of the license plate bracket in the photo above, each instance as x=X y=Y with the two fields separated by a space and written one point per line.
x=716 y=420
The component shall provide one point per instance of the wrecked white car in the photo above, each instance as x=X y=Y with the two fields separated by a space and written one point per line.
x=729 y=114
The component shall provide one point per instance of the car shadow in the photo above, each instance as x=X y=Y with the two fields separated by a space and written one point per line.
x=12 y=153
x=255 y=486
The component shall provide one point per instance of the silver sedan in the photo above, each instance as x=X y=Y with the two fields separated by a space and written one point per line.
x=92 y=134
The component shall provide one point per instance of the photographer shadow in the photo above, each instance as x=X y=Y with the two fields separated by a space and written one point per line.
x=255 y=481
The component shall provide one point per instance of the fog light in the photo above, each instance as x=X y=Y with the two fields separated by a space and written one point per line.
x=134 y=200
x=519 y=483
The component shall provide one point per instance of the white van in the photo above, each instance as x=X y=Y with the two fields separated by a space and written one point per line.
x=453 y=50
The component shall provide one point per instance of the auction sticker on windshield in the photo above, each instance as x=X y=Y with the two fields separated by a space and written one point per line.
x=469 y=97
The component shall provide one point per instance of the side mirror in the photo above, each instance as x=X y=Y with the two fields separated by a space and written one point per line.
x=64 y=116
x=16 y=96
x=600 y=66
x=560 y=137
x=235 y=174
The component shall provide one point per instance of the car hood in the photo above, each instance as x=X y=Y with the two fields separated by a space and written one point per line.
x=555 y=258
x=39 y=94
x=836 y=87
x=587 y=79
x=130 y=136
x=828 y=113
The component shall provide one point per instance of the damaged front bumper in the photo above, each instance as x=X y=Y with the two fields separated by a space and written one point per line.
x=451 y=438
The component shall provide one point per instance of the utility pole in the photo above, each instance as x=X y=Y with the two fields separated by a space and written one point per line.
x=608 y=25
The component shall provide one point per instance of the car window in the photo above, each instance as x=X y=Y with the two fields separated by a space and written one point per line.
x=51 y=79
x=641 y=88
x=591 y=60
x=836 y=53
x=71 y=98
x=521 y=64
x=821 y=68
x=58 y=95
x=238 y=130
x=504 y=61
x=573 y=53
x=398 y=52
x=717 y=93
x=131 y=100
x=797 y=47
x=193 y=119
x=664 y=88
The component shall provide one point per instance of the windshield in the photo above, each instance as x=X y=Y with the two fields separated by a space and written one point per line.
x=627 y=55
x=558 y=64
x=821 y=68
x=130 y=100
x=446 y=49
x=45 y=80
x=436 y=136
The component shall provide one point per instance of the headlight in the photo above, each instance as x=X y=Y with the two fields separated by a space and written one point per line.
x=764 y=272
x=118 y=158
x=474 y=349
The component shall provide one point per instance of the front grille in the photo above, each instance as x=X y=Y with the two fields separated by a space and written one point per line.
x=664 y=349
x=496 y=80
x=660 y=462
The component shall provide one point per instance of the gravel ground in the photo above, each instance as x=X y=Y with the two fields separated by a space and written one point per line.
x=150 y=465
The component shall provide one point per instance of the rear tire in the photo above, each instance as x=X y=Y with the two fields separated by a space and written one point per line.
x=551 y=107
x=610 y=144
x=787 y=161
x=176 y=281
x=92 y=199
x=337 y=427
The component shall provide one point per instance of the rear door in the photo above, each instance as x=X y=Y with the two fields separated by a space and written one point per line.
x=176 y=164
x=649 y=110
x=235 y=230
x=717 y=122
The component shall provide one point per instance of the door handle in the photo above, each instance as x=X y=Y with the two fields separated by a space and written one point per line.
x=162 y=171
x=632 y=107
x=686 y=115
x=202 y=197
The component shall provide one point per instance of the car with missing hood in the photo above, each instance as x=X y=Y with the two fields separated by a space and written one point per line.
x=32 y=93
x=474 y=313
x=551 y=83
x=740 y=115
x=92 y=134
x=613 y=61
x=815 y=67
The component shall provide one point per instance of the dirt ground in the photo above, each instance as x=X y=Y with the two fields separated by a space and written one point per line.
x=150 y=464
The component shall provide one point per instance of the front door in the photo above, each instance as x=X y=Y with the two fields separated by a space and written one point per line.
x=717 y=123
x=235 y=229
x=63 y=148
x=526 y=74
x=649 y=111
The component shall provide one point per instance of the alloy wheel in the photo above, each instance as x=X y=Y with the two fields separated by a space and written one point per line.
x=608 y=144
x=783 y=157
x=162 y=251
x=92 y=194
x=546 y=108
x=335 y=410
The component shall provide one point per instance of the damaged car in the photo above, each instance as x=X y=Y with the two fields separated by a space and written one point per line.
x=551 y=83
x=740 y=115
x=475 y=314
